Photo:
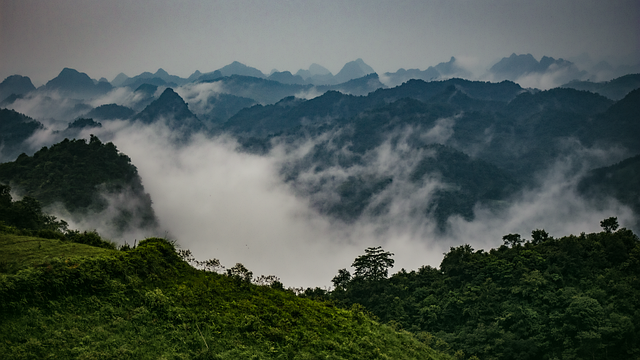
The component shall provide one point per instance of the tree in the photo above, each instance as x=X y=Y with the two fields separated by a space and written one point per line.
x=512 y=239
x=374 y=264
x=240 y=272
x=539 y=236
x=609 y=225
x=341 y=280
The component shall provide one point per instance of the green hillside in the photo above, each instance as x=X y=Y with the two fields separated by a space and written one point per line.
x=82 y=175
x=574 y=297
x=80 y=302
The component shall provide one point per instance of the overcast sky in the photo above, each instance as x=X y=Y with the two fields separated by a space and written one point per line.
x=102 y=38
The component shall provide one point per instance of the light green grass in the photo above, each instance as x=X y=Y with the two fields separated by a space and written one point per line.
x=18 y=252
x=147 y=303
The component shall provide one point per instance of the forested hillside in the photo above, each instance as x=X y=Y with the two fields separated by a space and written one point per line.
x=84 y=177
x=574 y=297
x=146 y=302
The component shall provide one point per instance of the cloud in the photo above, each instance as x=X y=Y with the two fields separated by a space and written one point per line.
x=309 y=94
x=124 y=96
x=237 y=207
x=50 y=108
x=198 y=95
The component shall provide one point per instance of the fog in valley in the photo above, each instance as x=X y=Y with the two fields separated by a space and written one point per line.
x=222 y=202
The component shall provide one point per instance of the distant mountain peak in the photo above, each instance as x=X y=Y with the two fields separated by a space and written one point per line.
x=238 y=68
x=77 y=83
x=172 y=109
x=16 y=85
x=160 y=73
x=353 y=70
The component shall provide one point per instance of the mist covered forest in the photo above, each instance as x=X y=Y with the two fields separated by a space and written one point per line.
x=414 y=214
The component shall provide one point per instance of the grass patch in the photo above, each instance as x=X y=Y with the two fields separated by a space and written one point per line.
x=19 y=252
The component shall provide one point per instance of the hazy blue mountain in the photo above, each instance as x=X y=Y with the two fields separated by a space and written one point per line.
x=10 y=100
x=619 y=181
x=291 y=112
x=171 y=109
x=359 y=86
x=119 y=80
x=193 y=77
x=237 y=68
x=82 y=123
x=74 y=128
x=261 y=90
x=316 y=75
x=159 y=78
x=15 y=84
x=615 y=89
x=516 y=66
x=401 y=76
x=216 y=108
x=618 y=125
x=421 y=90
x=452 y=69
x=135 y=83
x=352 y=70
x=148 y=89
x=110 y=111
x=498 y=123
x=314 y=70
x=15 y=128
x=286 y=77
x=210 y=76
x=76 y=84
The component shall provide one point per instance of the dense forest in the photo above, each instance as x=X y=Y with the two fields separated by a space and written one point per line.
x=574 y=297
x=82 y=175
x=74 y=295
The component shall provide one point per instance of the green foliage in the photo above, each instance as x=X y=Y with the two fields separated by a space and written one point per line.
x=27 y=214
x=374 y=264
x=610 y=224
x=575 y=297
x=77 y=173
x=147 y=303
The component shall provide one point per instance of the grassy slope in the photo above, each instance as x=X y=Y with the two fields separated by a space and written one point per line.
x=146 y=303
x=17 y=252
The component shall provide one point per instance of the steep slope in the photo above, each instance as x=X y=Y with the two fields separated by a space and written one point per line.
x=352 y=70
x=85 y=178
x=543 y=298
x=170 y=109
x=111 y=111
x=15 y=128
x=147 y=303
x=619 y=181
x=76 y=84
x=15 y=84
x=615 y=89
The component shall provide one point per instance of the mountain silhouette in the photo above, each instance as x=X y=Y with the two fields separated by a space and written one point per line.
x=110 y=111
x=15 y=84
x=352 y=70
x=236 y=68
x=516 y=66
x=171 y=109
x=77 y=84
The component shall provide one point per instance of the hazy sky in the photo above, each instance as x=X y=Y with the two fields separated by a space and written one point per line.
x=102 y=38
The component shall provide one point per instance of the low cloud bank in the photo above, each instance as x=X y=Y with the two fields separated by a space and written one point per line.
x=226 y=204
x=234 y=206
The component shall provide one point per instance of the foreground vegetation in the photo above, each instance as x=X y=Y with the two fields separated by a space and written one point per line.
x=574 y=297
x=147 y=303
